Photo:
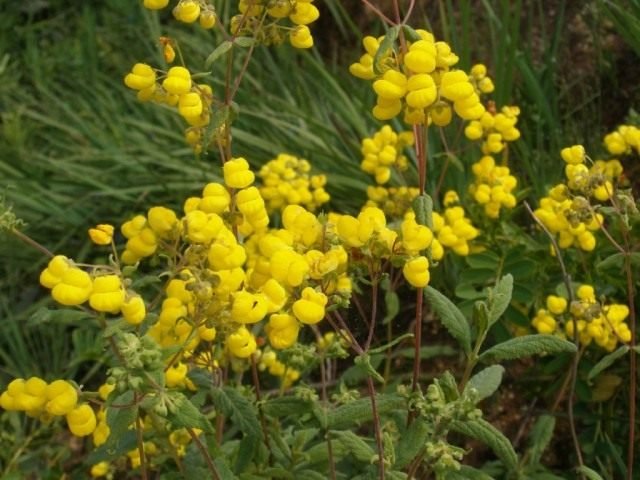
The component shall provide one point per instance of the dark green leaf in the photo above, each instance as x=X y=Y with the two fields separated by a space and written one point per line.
x=589 y=473
x=184 y=414
x=284 y=406
x=486 y=259
x=356 y=445
x=451 y=317
x=233 y=404
x=359 y=411
x=606 y=361
x=492 y=437
x=386 y=45
x=412 y=442
x=526 y=346
x=541 y=435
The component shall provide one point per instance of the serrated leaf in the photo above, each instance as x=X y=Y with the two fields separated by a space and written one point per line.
x=223 y=469
x=526 y=346
x=356 y=445
x=359 y=411
x=412 y=442
x=492 y=437
x=232 y=404
x=184 y=414
x=540 y=436
x=246 y=451
x=386 y=45
x=319 y=453
x=590 y=474
x=499 y=298
x=451 y=317
x=606 y=361
x=122 y=438
x=220 y=50
x=467 y=473
x=486 y=381
x=284 y=406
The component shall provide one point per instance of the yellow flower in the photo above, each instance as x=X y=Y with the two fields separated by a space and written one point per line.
x=237 y=173
x=187 y=11
x=288 y=267
x=207 y=19
x=134 y=310
x=81 y=420
x=176 y=375
x=310 y=308
x=190 y=105
x=416 y=272
x=248 y=307
x=421 y=57
x=241 y=343
x=142 y=76
x=203 y=227
x=101 y=234
x=282 y=330
x=300 y=37
x=74 y=288
x=415 y=237
x=107 y=294
x=556 y=305
x=61 y=397
x=162 y=221
x=178 y=81
x=57 y=267
x=102 y=469
x=155 y=5
x=573 y=155
x=215 y=198
x=304 y=13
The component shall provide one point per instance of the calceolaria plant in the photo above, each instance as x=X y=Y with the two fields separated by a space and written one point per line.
x=258 y=333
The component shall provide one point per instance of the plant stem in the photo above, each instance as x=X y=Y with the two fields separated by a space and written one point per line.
x=376 y=426
x=263 y=423
x=31 y=242
x=205 y=453
x=143 y=461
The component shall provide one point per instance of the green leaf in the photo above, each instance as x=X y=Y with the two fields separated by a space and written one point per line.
x=220 y=50
x=311 y=475
x=122 y=438
x=224 y=471
x=392 y=304
x=244 y=42
x=62 y=316
x=467 y=473
x=385 y=46
x=606 y=361
x=499 y=298
x=412 y=442
x=526 y=346
x=590 y=474
x=486 y=259
x=284 y=406
x=246 y=451
x=319 y=453
x=423 y=208
x=363 y=361
x=233 y=404
x=486 y=381
x=541 y=435
x=393 y=342
x=184 y=414
x=354 y=444
x=492 y=437
x=451 y=317
x=359 y=411
x=411 y=34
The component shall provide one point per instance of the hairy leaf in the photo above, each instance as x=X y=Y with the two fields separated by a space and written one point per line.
x=526 y=346
x=360 y=449
x=451 y=317
x=486 y=381
x=411 y=443
x=499 y=298
x=492 y=437
x=541 y=435
x=232 y=404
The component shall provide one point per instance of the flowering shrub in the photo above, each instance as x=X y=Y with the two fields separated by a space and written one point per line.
x=229 y=322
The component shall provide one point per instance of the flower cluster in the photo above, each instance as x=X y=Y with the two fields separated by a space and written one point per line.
x=286 y=180
x=480 y=80
x=493 y=186
x=604 y=324
x=494 y=129
x=103 y=289
x=421 y=82
x=269 y=362
x=394 y=201
x=261 y=20
x=623 y=140
x=43 y=400
x=188 y=11
x=175 y=88
x=567 y=210
x=383 y=151
x=453 y=229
